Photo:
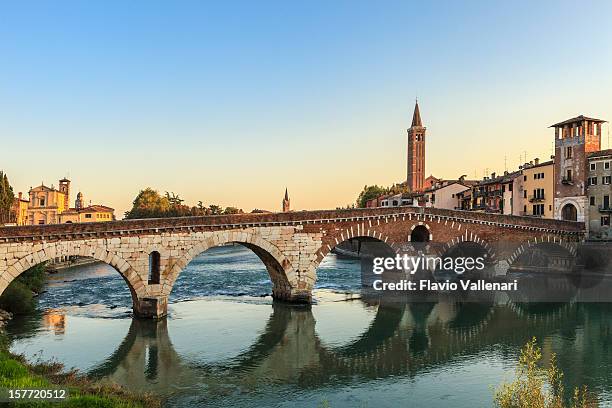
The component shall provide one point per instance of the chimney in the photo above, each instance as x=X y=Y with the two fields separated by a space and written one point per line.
x=493 y=175
x=20 y=194
x=537 y=161
x=506 y=172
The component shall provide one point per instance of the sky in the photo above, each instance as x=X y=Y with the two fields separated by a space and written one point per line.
x=231 y=102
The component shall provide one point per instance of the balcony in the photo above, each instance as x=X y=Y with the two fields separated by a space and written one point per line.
x=605 y=209
x=535 y=199
x=567 y=181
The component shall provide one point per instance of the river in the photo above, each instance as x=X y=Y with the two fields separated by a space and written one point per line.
x=226 y=344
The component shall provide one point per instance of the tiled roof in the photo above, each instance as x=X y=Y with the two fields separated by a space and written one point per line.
x=601 y=153
x=577 y=119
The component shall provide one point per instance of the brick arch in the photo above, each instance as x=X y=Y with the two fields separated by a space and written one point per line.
x=423 y=224
x=331 y=241
x=279 y=268
x=467 y=236
x=129 y=275
x=569 y=246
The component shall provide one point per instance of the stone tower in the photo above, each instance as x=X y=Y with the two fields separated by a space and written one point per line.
x=416 y=152
x=79 y=204
x=286 y=202
x=574 y=139
x=64 y=187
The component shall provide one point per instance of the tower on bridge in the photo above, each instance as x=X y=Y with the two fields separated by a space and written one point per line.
x=416 y=152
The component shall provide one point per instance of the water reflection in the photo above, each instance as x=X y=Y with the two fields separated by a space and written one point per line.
x=402 y=341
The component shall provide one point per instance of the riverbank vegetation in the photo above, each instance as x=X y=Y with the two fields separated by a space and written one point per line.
x=150 y=204
x=16 y=373
x=371 y=192
x=20 y=296
x=7 y=197
x=538 y=387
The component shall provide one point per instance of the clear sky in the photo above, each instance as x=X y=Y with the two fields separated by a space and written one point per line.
x=229 y=102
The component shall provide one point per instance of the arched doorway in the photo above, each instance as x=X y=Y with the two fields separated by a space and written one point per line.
x=569 y=212
x=419 y=234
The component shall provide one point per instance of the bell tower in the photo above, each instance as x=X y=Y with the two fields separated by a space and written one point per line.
x=286 y=202
x=416 y=152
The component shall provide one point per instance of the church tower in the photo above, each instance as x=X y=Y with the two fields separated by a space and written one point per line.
x=416 y=152
x=286 y=202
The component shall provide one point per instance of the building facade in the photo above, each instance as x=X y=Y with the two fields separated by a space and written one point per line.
x=574 y=139
x=50 y=205
x=538 y=189
x=599 y=188
x=416 y=153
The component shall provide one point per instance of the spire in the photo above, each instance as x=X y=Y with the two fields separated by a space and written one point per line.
x=416 y=116
x=286 y=194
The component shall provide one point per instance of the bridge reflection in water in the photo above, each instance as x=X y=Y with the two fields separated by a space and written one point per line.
x=402 y=340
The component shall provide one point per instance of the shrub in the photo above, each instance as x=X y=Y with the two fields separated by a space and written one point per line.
x=17 y=299
x=536 y=387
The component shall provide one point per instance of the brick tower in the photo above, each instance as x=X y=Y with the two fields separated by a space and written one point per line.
x=416 y=152
x=574 y=139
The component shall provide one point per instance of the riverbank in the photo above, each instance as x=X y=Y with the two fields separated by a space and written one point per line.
x=17 y=373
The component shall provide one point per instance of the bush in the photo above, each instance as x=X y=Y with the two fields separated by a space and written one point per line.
x=536 y=387
x=17 y=299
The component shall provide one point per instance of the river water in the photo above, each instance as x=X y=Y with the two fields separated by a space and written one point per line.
x=226 y=344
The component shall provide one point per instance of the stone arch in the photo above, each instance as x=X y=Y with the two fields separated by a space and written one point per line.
x=563 y=203
x=284 y=277
x=130 y=276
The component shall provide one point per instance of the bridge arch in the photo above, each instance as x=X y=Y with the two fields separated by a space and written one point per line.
x=96 y=251
x=467 y=239
x=284 y=277
x=420 y=232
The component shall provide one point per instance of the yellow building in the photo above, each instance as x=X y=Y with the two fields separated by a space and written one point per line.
x=48 y=205
x=19 y=212
x=538 y=189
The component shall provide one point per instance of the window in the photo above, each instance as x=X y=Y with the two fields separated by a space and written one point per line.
x=606 y=180
x=524 y=178
x=592 y=181
x=568 y=152
x=568 y=175
x=524 y=193
x=605 y=221
x=525 y=209
x=154 y=267
x=41 y=202
x=87 y=215
x=509 y=187
x=606 y=165
x=592 y=200
x=538 y=209
x=592 y=166
x=606 y=201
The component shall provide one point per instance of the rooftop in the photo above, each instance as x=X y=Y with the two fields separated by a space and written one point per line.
x=601 y=153
x=577 y=119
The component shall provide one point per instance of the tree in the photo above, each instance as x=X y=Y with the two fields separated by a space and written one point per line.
x=368 y=193
x=7 y=198
x=232 y=210
x=215 y=209
x=149 y=204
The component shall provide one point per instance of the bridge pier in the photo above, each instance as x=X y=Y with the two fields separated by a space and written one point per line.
x=293 y=295
x=152 y=307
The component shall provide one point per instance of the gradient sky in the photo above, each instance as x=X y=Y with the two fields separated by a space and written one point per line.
x=229 y=102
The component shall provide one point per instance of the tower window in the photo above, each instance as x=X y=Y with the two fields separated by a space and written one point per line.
x=154 y=267
x=568 y=152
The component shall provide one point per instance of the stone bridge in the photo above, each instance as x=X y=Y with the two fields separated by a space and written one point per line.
x=150 y=254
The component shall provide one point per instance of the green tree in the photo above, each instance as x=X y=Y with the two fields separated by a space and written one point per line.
x=7 y=198
x=369 y=193
x=232 y=210
x=214 y=209
x=149 y=204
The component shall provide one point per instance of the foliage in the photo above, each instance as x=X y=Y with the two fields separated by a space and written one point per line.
x=7 y=198
x=18 y=297
x=537 y=387
x=17 y=374
x=150 y=204
x=368 y=193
